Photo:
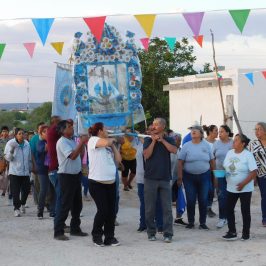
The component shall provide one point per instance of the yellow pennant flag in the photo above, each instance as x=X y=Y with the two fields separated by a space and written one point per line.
x=146 y=22
x=58 y=46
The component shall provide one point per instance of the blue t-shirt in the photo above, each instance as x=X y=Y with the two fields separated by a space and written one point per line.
x=196 y=157
x=40 y=159
x=158 y=166
x=220 y=150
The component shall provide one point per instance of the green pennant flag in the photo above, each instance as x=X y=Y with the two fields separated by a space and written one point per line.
x=240 y=17
x=2 y=48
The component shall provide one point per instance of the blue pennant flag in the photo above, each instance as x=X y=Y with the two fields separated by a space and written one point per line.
x=43 y=26
x=250 y=77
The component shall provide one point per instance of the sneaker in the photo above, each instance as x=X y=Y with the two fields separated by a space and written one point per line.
x=141 y=229
x=152 y=238
x=98 y=243
x=126 y=189
x=230 y=236
x=3 y=194
x=245 y=237
x=204 y=227
x=190 y=226
x=221 y=223
x=167 y=239
x=79 y=233
x=129 y=186
x=23 y=209
x=112 y=242
x=40 y=215
x=211 y=213
x=61 y=237
x=17 y=213
x=179 y=221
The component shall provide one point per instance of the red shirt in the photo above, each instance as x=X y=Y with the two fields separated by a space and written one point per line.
x=52 y=138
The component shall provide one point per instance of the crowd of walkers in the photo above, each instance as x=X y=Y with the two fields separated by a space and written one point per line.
x=54 y=165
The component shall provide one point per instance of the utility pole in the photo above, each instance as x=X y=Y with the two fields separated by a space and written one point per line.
x=218 y=79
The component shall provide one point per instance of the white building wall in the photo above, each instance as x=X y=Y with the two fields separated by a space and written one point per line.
x=188 y=105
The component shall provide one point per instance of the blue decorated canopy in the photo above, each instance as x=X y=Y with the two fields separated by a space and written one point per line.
x=107 y=78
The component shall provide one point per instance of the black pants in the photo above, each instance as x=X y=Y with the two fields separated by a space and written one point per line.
x=245 y=199
x=20 y=189
x=104 y=196
x=71 y=200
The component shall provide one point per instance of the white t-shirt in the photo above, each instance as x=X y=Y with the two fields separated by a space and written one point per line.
x=101 y=162
x=237 y=167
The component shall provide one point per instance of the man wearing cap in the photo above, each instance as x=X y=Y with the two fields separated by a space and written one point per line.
x=69 y=177
x=156 y=151
x=195 y=162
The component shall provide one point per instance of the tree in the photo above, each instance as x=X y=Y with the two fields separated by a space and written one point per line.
x=158 y=64
x=206 y=68
x=40 y=114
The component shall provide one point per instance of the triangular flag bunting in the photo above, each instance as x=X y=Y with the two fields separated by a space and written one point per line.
x=30 y=46
x=146 y=22
x=249 y=76
x=2 y=48
x=58 y=46
x=194 y=21
x=96 y=26
x=43 y=26
x=264 y=74
x=171 y=42
x=240 y=17
x=199 y=39
x=145 y=43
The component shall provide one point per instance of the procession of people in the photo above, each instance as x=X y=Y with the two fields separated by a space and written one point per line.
x=167 y=175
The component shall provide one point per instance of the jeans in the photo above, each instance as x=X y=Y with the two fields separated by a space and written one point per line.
x=20 y=189
x=158 y=212
x=152 y=188
x=44 y=186
x=222 y=197
x=85 y=184
x=262 y=187
x=211 y=193
x=197 y=186
x=57 y=197
x=104 y=196
x=245 y=199
x=71 y=200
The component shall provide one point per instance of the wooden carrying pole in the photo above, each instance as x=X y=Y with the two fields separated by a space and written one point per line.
x=217 y=77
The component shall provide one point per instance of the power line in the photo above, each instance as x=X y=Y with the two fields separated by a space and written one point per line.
x=26 y=75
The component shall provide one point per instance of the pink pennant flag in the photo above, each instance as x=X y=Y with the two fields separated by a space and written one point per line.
x=194 y=21
x=199 y=39
x=30 y=46
x=96 y=26
x=264 y=74
x=145 y=43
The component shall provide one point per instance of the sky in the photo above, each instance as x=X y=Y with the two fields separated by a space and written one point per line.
x=18 y=71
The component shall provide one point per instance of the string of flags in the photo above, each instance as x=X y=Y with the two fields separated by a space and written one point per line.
x=250 y=76
x=96 y=25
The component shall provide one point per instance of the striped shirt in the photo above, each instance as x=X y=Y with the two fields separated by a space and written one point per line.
x=259 y=153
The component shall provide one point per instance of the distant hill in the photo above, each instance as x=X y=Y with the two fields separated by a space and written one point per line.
x=18 y=106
